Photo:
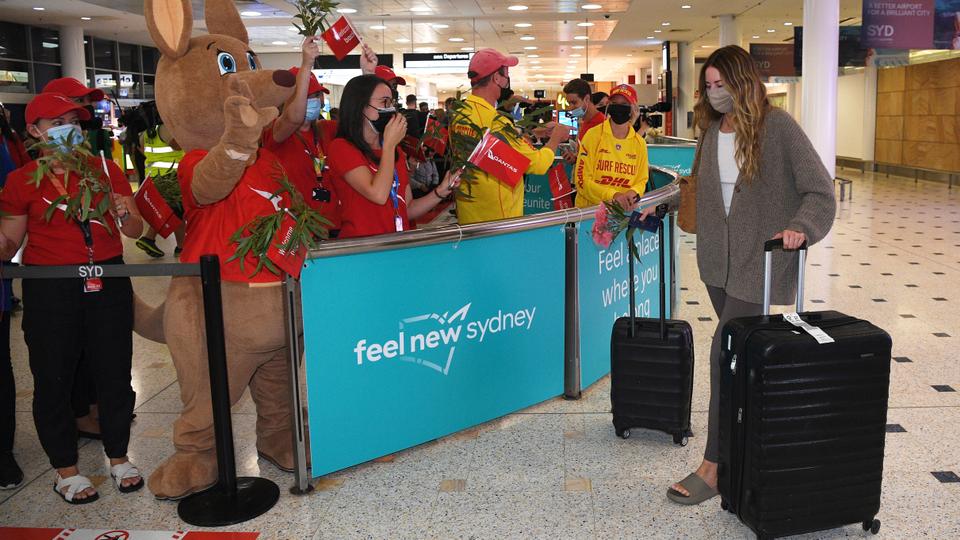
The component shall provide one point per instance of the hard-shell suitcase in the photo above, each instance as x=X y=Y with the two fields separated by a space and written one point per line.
x=651 y=368
x=802 y=423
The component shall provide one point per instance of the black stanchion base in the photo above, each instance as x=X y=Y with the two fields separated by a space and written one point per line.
x=217 y=508
x=295 y=490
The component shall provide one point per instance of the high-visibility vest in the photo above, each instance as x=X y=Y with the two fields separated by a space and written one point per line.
x=160 y=157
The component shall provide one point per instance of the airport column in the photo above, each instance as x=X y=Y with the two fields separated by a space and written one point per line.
x=655 y=69
x=729 y=30
x=869 y=115
x=73 y=61
x=686 y=84
x=821 y=38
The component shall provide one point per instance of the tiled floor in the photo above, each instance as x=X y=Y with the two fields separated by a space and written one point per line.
x=557 y=469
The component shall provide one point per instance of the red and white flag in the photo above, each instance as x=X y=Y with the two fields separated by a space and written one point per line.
x=290 y=262
x=341 y=37
x=499 y=159
x=560 y=187
x=435 y=136
x=155 y=210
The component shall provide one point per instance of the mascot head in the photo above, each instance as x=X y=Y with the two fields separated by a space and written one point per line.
x=196 y=75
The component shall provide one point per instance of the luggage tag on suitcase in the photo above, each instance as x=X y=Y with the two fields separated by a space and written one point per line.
x=815 y=331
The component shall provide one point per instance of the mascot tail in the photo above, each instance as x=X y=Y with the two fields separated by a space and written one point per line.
x=148 y=320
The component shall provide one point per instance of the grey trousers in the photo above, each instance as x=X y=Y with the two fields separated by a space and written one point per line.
x=726 y=308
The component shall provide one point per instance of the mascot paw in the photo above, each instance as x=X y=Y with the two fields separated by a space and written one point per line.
x=277 y=448
x=183 y=474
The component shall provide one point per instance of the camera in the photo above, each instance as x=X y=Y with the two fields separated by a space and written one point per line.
x=321 y=194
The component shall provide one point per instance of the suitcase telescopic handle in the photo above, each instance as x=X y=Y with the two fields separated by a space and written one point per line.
x=768 y=248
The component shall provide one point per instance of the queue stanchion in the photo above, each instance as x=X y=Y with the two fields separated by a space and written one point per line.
x=232 y=500
x=291 y=292
x=571 y=316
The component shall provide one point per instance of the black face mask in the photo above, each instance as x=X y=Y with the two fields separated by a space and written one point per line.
x=505 y=92
x=619 y=113
x=383 y=118
x=94 y=122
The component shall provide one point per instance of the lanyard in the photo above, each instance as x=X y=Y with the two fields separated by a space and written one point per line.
x=313 y=153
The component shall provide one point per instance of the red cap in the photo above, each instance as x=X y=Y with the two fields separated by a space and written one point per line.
x=314 y=87
x=626 y=91
x=52 y=105
x=72 y=88
x=486 y=61
x=387 y=74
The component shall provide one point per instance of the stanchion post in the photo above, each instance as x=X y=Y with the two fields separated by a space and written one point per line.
x=232 y=500
x=571 y=316
x=291 y=291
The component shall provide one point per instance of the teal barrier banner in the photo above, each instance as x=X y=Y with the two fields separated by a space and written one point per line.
x=418 y=343
x=537 y=197
x=677 y=158
x=604 y=284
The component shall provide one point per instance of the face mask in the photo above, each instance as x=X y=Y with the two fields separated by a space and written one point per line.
x=619 y=113
x=313 y=109
x=720 y=99
x=383 y=118
x=64 y=135
x=577 y=113
x=505 y=92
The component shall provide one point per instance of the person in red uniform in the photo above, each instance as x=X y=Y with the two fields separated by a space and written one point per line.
x=64 y=319
x=368 y=170
x=579 y=97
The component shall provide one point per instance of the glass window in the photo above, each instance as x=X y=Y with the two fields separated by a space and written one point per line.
x=88 y=50
x=103 y=55
x=106 y=81
x=13 y=41
x=89 y=82
x=44 y=73
x=148 y=90
x=14 y=77
x=150 y=58
x=129 y=57
x=46 y=45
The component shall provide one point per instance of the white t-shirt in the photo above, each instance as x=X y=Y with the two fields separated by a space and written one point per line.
x=729 y=171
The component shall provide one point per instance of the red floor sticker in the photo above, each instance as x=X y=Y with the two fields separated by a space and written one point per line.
x=118 y=534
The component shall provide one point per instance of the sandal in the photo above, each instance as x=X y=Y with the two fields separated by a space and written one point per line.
x=698 y=489
x=74 y=484
x=122 y=472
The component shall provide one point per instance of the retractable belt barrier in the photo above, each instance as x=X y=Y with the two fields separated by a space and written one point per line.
x=231 y=500
x=412 y=336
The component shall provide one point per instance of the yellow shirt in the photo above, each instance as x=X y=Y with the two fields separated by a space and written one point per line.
x=491 y=199
x=607 y=165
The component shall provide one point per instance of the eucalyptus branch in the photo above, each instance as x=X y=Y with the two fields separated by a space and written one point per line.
x=312 y=15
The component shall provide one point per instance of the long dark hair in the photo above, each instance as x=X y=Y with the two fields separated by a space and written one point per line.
x=355 y=98
x=5 y=130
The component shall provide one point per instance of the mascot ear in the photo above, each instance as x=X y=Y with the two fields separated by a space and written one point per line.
x=222 y=18
x=170 y=23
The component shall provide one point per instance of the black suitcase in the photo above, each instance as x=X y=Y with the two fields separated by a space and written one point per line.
x=802 y=424
x=651 y=368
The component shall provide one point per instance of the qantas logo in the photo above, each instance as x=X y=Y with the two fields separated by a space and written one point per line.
x=275 y=200
x=495 y=158
x=431 y=339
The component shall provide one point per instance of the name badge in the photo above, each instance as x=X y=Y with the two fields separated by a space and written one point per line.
x=92 y=285
x=398 y=223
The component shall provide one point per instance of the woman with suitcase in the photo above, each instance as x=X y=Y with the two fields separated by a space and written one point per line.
x=758 y=178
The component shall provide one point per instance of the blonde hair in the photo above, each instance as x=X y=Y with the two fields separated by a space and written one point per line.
x=750 y=105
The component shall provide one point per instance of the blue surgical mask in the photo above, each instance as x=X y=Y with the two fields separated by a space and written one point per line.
x=313 y=109
x=577 y=113
x=65 y=135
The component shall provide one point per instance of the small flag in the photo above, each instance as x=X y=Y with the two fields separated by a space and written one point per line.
x=290 y=262
x=155 y=210
x=341 y=37
x=499 y=159
x=560 y=187
x=435 y=136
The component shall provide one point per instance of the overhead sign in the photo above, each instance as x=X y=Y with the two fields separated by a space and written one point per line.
x=437 y=60
x=773 y=59
x=898 y=25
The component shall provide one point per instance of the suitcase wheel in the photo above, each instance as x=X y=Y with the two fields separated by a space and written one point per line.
x=680 y=438
x=872 y=526
x=623 y=433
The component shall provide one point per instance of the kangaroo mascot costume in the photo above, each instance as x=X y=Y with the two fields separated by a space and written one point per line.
x=216 y=100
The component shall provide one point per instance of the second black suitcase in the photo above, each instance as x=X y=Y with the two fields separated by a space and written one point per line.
x=802 y=423
x=651 y=368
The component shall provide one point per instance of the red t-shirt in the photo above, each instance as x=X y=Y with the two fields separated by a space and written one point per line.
x=59 y=241
x=209 y=227
x=597 y=119
x=360 y=216
x=18 y=151
x=297 y=158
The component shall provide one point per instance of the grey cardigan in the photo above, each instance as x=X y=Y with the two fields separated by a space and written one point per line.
x=794 y=191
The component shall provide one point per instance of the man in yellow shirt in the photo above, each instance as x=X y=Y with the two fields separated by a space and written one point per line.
x=490 y=199
x=612 y=164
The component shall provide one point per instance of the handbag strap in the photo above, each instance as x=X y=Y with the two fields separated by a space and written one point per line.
x=695 y=169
